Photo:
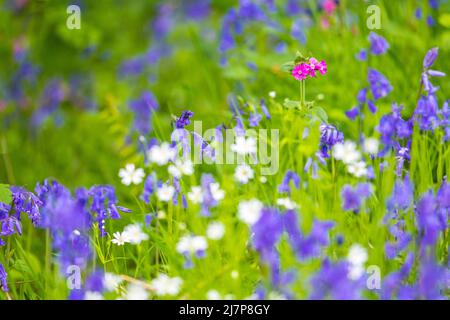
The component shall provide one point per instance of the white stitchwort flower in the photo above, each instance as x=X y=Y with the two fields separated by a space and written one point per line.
x=165 y=285
x=346 y=152
x=93 y=295
x=215 y=230
x=111 y=281
x=244 y=145
x=371 y=145
x=191 y=244
x=195 y=195
x=120 y=238
x=250 y=211
x=243 y=173
x=272 y=94
x=213 y=295
x=131 y=175
x=358 y=169
x=136 y=292
x=180 y=168
x=357 y=257
x=217 y=193
x=134 y=233
x=165 y=192
x=287 y=203
x=161 y=154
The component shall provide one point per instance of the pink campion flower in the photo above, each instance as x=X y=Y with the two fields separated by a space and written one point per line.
x=322 y=67
x=329 y=6
x=301 y=71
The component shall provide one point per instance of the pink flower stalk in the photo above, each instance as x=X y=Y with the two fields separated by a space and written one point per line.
x=303 y=70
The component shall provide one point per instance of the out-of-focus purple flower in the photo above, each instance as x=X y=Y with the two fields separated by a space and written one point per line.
x=434 y=4
x=298 y=31
x=149 y=188
x=418 y=13
x=352 y=198
x=249 y=10
x=402 y=196
x=163 y=22
x=50 y=100
x=372 y=107
x=143 y=109
x=332 y=282
x=426 y=112
x=264 y=109
x=428 y=221
x=443 y=195
x=402 y=240
x=288 y=177
x=430 y=21
x=3 y=279
x=184 y=119
x=196 y=9
x=361 y=55
x=378 y=44
x=352 y=113
x=393 y=282
x=208 y=199
x=95 y=281
x=254 y=119
x=379 y=85
x=362 y=96
x=307 y=246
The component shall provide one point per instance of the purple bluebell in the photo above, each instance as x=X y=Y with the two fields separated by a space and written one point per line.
x=149 y=187
x=428 y=222
x=264 y=109
x=184 y=119
x=443 y=195
x=402 y=195
x=143 y=109
x=378 y=44
x=393 y=282
x=402 y=239
x=289 y=176
x=3 y=279
x=430 y=58
x=332 y=282
x=254 y=119
x=353 y=197
x=430 y=21
x=352 y=113
x=329 y=136
x=379 y=85
x=361 y=55
x=372 y=107
x=49 y=102
x=298 y=31
x=208 y=199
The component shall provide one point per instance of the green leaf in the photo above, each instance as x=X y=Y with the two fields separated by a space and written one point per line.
x=288 y=66
x=318 y=113
x=5 y=193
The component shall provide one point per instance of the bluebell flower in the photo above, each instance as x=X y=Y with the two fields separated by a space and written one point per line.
x=288 y=177
x=352 y=113
x=3 y=279
x=361 y=55
x=379 y=85
x=329 y=136
x=254 y=119
x=428 y=221
x=402 y=195
x=332 y=282
x=49 y=102
x=143 y=109
x=264 y=109
x=184 y=119
x=353 y=197
x=393 y=282
x=430 y=57
x=378 y=44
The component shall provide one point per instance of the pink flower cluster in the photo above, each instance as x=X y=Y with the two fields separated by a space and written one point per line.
x=305 y=70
